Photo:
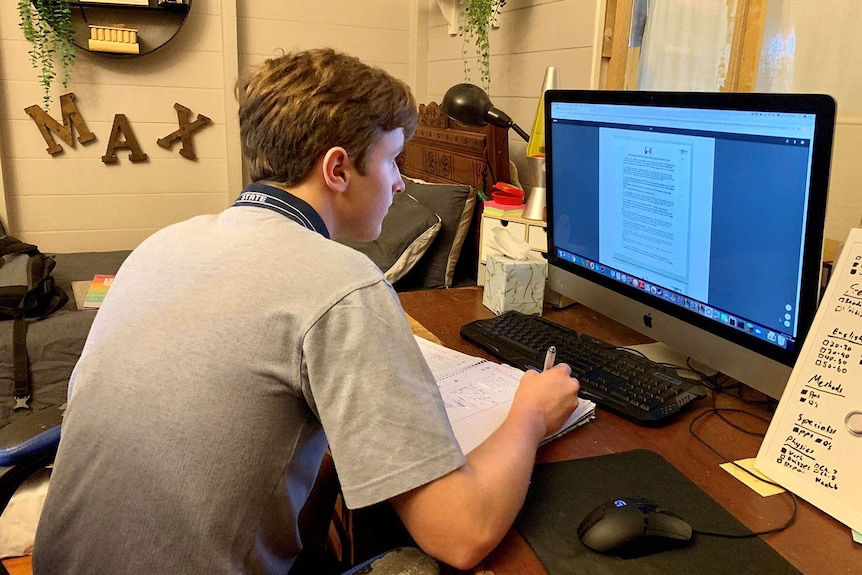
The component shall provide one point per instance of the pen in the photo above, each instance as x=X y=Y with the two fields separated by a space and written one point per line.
x=550 y=357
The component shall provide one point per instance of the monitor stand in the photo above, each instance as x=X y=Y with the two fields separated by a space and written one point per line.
x=661 y=353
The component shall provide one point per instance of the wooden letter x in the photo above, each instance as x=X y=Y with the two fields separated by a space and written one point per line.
x=184 y=132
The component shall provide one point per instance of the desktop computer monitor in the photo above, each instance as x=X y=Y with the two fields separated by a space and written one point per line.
x=694 y=218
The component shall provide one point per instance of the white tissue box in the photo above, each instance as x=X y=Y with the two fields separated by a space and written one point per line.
x=514 y=285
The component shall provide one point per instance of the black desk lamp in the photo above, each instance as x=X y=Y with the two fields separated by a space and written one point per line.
x=470 y=105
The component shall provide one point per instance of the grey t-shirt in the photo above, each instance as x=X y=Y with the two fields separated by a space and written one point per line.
x=225 y=347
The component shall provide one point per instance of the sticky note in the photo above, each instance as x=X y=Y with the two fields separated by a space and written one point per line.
x=761 y=487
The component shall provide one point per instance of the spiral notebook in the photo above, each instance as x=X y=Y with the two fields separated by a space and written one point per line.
x=477 y=394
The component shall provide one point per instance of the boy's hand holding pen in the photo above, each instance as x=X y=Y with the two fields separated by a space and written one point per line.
x=550 y=358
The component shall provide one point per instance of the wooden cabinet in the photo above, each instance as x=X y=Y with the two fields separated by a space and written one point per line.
x=156 y=22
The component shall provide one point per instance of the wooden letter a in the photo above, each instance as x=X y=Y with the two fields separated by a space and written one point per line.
x=72 y=120
x=122 y=129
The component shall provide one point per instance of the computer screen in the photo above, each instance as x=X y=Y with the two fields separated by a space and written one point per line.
x=695 y=218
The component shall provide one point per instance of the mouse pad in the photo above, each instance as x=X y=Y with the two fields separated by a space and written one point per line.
x=562 y=494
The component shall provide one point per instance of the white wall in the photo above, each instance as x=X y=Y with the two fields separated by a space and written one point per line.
x=74 y=202
x=809 y=49
x=533 y=34
x=376 y=31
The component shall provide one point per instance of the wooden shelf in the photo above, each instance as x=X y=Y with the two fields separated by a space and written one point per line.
x=157 y=25
x=153 y=5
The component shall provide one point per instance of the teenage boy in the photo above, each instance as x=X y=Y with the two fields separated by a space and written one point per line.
x=233 y=348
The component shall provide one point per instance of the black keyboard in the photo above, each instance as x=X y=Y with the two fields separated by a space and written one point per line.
x=615 y=379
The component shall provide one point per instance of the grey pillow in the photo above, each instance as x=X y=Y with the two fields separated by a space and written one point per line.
x=408 y=231
x=454 y=203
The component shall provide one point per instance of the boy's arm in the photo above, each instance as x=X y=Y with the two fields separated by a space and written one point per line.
x=460 y=517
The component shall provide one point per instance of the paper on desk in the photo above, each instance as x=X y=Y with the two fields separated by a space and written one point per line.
x=761 y=487
x=477 y=394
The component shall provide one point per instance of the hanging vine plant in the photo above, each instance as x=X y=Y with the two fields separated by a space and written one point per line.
x=479 y=16
x=47 y=25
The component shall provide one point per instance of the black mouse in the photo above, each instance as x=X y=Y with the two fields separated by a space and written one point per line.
x=631 y=527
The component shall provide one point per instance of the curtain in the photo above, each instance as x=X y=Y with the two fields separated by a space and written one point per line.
x=686 y=45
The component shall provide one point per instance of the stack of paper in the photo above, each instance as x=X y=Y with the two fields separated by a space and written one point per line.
x=477 y=394
x=493 y=208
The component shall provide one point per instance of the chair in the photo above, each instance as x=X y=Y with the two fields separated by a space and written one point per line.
x=13 y=476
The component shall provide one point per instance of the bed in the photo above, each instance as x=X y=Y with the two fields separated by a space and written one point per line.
x=429 y=241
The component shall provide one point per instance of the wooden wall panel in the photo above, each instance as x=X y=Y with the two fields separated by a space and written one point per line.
x=114 y=212
x=28 y=144
x=376 y=31
x=533 y=34
x=543 y=33
x=30 y=178
x=549 y=27
x=193 y=71
x=71 y=241
x=105 y=224
x=74 y=201
x=398 y=70
x=159 y=69
x=99 y=103
x=268 y=37
x=517 y=76
x=209 y=143
x=381 y=14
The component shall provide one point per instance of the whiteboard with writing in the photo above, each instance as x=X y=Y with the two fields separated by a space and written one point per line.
x=814 y=443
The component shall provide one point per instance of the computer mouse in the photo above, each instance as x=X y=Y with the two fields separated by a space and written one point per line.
x=631 y=527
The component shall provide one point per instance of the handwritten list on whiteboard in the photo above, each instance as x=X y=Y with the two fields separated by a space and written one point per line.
x=814 y=443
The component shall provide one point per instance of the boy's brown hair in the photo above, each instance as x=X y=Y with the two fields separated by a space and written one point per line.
x=294 y=108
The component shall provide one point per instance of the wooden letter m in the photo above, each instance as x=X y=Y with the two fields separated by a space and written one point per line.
x=72 y=120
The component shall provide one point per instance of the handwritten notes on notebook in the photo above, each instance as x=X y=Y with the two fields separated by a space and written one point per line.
x=477 y=393
x=814 y=443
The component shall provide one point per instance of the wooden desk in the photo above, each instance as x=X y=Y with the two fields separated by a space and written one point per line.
x=816 y=544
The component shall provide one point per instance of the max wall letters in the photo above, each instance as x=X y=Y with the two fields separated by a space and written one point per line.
x=122 y=137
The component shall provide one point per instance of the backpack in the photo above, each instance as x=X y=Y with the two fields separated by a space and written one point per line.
x=27 y=290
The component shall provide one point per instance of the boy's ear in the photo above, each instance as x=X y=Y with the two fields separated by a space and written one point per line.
x=337 y=167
